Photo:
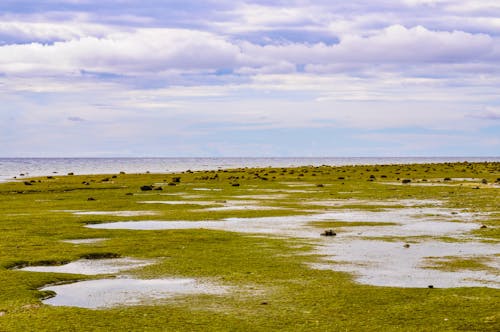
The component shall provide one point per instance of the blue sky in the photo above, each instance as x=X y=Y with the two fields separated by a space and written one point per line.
x=81 y=78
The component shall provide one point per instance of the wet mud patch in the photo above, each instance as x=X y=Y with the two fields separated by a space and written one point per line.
x=108 y=293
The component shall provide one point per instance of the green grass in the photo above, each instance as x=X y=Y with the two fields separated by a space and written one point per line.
x=273 y=287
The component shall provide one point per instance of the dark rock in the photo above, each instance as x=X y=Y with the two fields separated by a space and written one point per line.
x=114 y=177
x=430 y=286
x=176 y=179
x=146 y=188
x=158 y=188
x=406 y=181
x=484 y=226
x=50 y=177
x=328 y=232
x=172 y=184
x=264 y=303
x=129 y=194
x=71 y=173
x=27 y=183
x=406 y=245
x=122 y=173
x=320 y=185
x=235 y=184
x=91 y=199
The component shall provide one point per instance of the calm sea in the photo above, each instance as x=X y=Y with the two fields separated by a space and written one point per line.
x=14 y=167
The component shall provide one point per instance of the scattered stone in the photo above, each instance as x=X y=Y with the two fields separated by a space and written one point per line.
x=114 y=177
x=122 y=173
x=91 y=199
x=406 y=181
x=129 y=194
x=430 y=286
x=158 y=188
x=484 y=181
x=328 y=232
x=146 y=188
x=320 y=185
x=176 y=179
x=406 y=245
x=172 y=184
x=484 y=226
x=235 y=184
x=27 y=183
x=264 y=303
x=447 y=179
x=50 y=177
x=71 y=173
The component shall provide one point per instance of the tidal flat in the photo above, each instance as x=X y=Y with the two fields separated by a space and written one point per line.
x=411 y=247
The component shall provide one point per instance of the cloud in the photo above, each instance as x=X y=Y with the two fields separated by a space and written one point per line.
x=75 y=119
x=145 y=50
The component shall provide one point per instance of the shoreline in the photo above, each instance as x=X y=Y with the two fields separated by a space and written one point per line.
x=12 y=168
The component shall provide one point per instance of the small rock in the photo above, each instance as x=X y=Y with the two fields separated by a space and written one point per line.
x=129 y=194
x=320 y=185
x=430 y=286
x=27 y=183
x=91 y=199
x=406 y=181
x=484 y=226
x=71 y=173
x=406 y=245
x=146 y=188
x=235 y=184
x=264 y=303
x=328 y=232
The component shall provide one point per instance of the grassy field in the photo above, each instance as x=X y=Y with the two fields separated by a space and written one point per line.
x=272 y=284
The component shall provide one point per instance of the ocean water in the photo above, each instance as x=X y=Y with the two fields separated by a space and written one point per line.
x=14 y=167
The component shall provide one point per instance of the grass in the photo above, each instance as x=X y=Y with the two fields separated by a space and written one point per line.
x=274 y=289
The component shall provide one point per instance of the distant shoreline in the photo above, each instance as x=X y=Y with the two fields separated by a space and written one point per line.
x=33 y=167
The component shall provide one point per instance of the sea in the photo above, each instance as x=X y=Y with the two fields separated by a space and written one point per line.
x=16 y=168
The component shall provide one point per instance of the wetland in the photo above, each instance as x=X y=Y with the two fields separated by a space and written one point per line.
x=413 y=247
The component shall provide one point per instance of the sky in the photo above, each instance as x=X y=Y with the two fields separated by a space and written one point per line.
x=322 y=78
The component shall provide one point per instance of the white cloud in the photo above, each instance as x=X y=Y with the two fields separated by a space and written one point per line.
x=145 y=50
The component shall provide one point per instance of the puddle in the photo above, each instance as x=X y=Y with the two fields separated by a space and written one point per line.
x=289 y=191
x=207 y=189
x=263 y=196
x=403 y=202
x=411 y=222
x=374 y=262
x=298 y=184
x=382 y=263
x=116 y=213
x=106 y=293
x=84 y=241
x=179 y=202
x=243 y=207
x=92 y=266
